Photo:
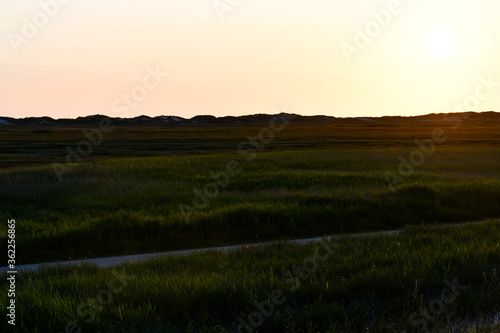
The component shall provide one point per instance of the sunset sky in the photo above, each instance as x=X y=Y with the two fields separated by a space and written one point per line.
x=229 y=57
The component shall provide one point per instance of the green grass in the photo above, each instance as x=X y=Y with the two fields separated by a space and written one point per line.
x=371 y=283
x=131 y=205
x=33 y=145
x=312 y=180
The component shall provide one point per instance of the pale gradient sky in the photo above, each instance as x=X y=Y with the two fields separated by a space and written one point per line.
x=264 y=55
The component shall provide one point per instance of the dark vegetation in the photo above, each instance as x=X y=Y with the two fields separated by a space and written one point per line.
x=319 y=176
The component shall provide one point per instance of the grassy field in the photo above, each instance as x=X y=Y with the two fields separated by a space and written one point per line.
x=109 y=205
x=32 y=145
x=132 y=205
x=426 y=279
x=156 y=189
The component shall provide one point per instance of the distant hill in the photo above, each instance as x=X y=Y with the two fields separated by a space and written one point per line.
x=208 y=120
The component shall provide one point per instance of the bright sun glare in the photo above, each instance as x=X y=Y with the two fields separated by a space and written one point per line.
x=441 y=43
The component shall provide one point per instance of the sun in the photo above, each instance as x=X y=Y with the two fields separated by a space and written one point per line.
x=441 y=43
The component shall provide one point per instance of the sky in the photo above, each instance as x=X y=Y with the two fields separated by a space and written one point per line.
x=125 y=58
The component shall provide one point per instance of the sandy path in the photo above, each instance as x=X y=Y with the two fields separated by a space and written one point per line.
x=106 y=262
